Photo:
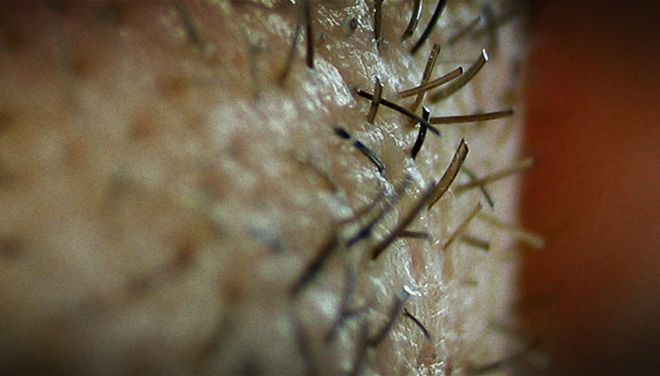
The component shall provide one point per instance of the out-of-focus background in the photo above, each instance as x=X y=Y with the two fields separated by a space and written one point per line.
x=593 y=295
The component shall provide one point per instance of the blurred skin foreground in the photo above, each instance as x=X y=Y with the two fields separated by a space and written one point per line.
x=594 y=125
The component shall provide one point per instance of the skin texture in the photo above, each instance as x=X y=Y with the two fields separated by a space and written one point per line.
x=164 y=192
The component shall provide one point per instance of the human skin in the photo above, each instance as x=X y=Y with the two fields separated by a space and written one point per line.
x=165 y=192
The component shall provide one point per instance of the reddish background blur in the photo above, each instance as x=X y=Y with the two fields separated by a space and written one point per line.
x=593 y=123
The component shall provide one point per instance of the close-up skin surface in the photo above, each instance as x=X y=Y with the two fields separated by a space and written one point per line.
x=200 y=187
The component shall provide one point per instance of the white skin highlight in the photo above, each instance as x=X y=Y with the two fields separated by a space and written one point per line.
x=165 y=198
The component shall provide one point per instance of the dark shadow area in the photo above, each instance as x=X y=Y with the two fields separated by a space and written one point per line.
x=593 y=124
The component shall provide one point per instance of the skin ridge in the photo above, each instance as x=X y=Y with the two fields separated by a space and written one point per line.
x=270 y=316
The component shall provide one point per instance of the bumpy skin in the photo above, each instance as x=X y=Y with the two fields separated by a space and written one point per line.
x=161 y=193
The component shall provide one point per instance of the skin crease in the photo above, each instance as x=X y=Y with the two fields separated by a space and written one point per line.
x=162 y=193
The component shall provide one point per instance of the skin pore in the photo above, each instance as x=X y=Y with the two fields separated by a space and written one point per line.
x=184 y=192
